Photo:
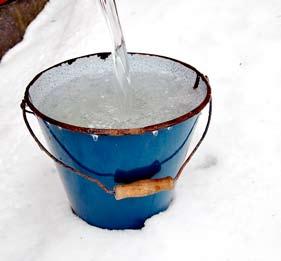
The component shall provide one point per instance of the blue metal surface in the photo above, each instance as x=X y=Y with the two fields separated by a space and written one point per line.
x=118 y=159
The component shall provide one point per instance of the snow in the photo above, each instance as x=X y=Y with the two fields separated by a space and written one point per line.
x=227 y=207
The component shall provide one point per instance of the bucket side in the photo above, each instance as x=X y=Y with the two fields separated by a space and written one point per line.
x=114 y=160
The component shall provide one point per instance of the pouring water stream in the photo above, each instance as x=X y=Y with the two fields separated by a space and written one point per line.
x=119 y=53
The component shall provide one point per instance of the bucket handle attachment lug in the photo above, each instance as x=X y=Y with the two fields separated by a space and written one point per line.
x=140 y=188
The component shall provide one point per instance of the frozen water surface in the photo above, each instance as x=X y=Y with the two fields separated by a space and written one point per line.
x=162 y=91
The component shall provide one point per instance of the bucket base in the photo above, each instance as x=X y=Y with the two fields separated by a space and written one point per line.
x=140 y=226
x=137 y=226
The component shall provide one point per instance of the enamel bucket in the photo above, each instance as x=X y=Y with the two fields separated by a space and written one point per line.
x=117 y=178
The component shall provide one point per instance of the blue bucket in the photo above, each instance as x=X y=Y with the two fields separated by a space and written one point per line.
x=117 y=178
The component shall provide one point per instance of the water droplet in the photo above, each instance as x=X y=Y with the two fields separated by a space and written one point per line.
x=155 y=133
x=95 y=137
x=169 y=128
x=59 y=127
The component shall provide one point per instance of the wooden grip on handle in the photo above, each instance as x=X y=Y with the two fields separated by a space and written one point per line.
x=143 y=188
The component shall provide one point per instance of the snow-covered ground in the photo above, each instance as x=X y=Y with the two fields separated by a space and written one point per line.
x=228 y=207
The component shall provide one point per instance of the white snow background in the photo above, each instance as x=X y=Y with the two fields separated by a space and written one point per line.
x=227 y=206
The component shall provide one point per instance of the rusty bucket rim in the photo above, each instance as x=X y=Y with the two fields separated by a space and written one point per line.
x=119 y=132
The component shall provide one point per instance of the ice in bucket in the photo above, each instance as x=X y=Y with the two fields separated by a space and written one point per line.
x=84 y=94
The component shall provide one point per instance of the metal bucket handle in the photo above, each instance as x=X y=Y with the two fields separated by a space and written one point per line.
x=140 y=188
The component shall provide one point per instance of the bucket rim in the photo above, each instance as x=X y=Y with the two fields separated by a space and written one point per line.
x=119 y=132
